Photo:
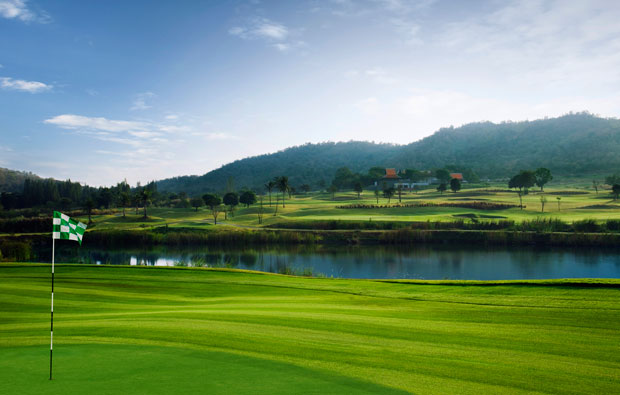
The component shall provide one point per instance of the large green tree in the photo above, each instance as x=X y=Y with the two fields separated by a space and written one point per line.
x=388 y=193
x=358 y=188
x=443 y=175
x=615 y=190
x=231 y=199
x=613 y=179
x=248 y=198
x=196 y=203
x=542 y=176
x=213 y=201
x=455 y=185
x=524 y=180
x=376 y=172
x=344 y=178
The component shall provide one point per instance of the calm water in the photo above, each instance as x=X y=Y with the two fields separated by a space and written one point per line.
x=420 y=262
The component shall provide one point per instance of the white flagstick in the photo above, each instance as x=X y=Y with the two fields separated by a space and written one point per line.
x=52 y=311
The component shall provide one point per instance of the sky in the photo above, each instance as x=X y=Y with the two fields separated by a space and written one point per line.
x=98 y=92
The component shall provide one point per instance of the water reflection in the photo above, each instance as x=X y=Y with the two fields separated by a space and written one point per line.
x=424 y=262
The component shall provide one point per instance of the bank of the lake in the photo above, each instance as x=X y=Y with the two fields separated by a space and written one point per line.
x=406 y=235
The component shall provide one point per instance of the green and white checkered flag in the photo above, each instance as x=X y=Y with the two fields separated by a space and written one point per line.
x=67 y=229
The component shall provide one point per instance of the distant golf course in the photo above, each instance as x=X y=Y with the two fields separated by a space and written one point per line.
x=574 y=204
x=159 y=330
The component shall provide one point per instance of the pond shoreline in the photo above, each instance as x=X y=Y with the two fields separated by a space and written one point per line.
x=18 y=246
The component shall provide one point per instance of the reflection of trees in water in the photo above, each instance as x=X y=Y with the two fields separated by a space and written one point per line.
x=105 y=258
x=592 y=257
x=529 y=260
x=414 y=261
x=248 y=260
x=147 y=258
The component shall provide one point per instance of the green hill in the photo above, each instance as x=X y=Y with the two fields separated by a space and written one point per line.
x=571 y=145
x=13 y=181
x=574 y=145
x=304 y=164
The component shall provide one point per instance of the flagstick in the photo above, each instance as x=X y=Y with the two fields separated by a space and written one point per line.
x=52 y=311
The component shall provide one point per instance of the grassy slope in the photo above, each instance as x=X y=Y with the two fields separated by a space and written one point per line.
x=172 y=330
x=321 y=207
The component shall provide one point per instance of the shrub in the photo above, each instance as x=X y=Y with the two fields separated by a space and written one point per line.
x=588 y=226
x=613 y=224
x=15 y=250
x=475 y=205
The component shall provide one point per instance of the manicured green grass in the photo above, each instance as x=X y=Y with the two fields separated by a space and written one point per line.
x=153 y=330
x=575 y=204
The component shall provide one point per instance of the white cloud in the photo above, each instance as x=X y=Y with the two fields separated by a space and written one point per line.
x=24 y=86
x=134 y=133
x=282 y=47
x=173 y=128
x=71 y=121
x=172 y=117
x=376 y=74
x=261 y=28
x=360 y=8
x=287 y=46
x=272 y=30
x=542 y=42
x=18 y=9
x=140 y=102
x=276 y=34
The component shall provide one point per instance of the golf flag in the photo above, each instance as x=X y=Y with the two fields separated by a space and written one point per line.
x=66 y=228
x=63 y=228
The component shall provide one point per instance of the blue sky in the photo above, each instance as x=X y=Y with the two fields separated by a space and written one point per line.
x=102 y=91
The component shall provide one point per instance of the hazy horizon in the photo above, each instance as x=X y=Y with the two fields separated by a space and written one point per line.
x=102 y=92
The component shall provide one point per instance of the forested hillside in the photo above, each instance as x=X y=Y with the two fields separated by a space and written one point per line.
x=306 y=164
x=12 y=180
x=572 y=145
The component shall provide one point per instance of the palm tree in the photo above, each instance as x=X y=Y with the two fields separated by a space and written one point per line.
x=89 y=205
x=124 y=200
x=269 y=187
x=135 y=200
x=283 y=186
x=145 y=198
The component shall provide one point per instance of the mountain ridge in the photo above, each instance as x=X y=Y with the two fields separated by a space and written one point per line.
x=575 y=144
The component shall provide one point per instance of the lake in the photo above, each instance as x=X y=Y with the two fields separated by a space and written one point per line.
x=417 y=262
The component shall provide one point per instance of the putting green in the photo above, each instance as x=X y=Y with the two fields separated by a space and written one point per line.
x=155 y=330
x=122 y=369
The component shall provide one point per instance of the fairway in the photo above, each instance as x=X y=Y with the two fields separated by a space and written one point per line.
x=574 y=205
x=174 y=330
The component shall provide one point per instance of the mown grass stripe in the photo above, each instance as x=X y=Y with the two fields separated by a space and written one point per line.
x=384 y=336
